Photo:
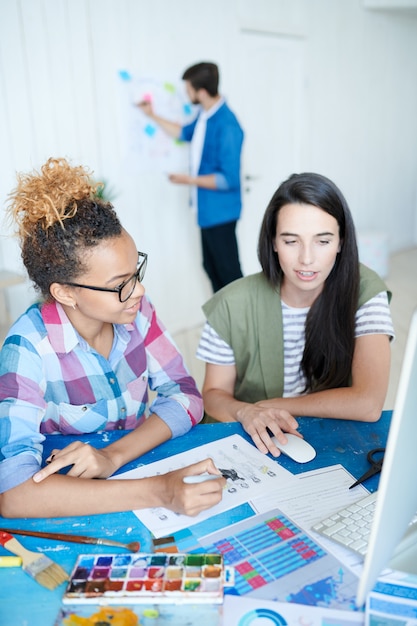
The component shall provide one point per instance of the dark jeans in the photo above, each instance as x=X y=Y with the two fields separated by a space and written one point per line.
x=220 y=254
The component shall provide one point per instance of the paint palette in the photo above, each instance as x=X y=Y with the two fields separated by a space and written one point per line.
x=143 y=577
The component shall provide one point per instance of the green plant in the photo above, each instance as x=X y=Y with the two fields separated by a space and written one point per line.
x=105 y=191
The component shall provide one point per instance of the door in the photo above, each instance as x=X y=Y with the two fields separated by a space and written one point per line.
x=271 y=108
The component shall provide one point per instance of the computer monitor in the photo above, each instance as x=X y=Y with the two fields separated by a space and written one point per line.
x=392 y=542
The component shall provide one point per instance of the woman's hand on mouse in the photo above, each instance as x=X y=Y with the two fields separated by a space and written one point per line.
x=257 y=420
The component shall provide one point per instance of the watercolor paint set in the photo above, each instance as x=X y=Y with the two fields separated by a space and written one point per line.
x=146 y=577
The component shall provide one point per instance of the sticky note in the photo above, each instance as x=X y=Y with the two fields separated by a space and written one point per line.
x=124 y=75
x=169 y=87
x=150 y=130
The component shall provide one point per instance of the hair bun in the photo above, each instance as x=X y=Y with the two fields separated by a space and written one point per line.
x=50 y=196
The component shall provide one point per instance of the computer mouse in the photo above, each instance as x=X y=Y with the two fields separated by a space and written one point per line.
x=299 y=450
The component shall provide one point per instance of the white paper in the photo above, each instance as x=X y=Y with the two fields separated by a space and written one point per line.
x=145 y=146
x=258 y=475
x=317 y=494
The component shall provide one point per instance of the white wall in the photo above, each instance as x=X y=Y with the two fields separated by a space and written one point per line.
x=60 y=96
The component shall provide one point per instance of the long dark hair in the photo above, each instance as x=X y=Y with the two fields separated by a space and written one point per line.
x=330 y=324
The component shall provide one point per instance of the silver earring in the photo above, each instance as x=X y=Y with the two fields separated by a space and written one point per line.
x=74 y=306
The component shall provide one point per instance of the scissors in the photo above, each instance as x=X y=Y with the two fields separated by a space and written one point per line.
x=375 y=458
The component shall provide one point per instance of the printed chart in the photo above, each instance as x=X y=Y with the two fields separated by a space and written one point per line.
x=268 y=553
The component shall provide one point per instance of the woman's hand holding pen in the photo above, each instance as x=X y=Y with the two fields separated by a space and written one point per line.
x=190 y=498
x=85 y=462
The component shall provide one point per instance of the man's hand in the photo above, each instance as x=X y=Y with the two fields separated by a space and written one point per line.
x=146 y=107
x=180 y=179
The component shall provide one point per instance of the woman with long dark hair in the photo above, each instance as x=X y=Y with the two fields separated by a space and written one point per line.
x=310 y=334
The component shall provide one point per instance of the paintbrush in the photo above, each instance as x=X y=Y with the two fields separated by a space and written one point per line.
x=134 y=546
x=38 y=566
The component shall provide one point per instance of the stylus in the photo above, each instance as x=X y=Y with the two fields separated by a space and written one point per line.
x=200 y=478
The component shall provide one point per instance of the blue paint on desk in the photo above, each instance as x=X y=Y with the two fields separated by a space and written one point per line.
x=335 y=441
x=23 y=602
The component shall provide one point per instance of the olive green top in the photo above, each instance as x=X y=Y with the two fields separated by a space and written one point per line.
x=247 y=315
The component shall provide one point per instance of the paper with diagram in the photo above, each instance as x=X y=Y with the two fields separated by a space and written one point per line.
x=253 y=474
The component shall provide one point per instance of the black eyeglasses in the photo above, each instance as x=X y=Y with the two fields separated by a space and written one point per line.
x=127 y=287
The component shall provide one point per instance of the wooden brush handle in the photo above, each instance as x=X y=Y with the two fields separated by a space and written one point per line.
x=134 y=546
x=12 y=545
x=46 y=535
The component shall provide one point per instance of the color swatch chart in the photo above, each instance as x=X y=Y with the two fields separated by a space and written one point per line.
x=144 y=577
x=284 y=549
x=274 y=559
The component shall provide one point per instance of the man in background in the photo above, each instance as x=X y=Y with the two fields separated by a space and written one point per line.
x=216 y=144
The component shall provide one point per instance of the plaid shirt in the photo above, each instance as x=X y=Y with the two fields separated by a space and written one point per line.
x=52 y=381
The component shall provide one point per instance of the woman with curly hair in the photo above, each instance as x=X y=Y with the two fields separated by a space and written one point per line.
x=310 y=334
x=82 y=359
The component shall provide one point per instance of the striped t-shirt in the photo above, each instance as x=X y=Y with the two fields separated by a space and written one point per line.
x=372 y=318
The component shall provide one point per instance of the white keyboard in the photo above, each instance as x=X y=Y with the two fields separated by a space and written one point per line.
x=351 y=526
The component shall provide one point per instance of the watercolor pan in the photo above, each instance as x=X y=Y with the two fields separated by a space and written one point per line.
x=146 y=577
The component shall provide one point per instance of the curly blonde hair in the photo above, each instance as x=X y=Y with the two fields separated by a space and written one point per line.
x=50 y=196
x=59 y=215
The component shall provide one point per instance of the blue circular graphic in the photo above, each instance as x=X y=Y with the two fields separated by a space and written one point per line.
x=275 y=618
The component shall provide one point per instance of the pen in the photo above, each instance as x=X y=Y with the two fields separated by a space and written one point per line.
x=10 y=561
x=200 y=478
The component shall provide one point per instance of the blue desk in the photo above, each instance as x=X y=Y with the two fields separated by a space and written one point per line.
x=23 y=602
